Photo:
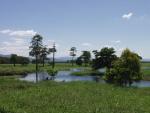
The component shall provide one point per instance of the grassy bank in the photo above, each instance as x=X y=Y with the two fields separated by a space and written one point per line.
x=146 y=71
x=86 y=72
x=74 y=97
x=8 y=69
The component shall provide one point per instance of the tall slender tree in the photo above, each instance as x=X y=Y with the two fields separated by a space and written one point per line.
x=86 y=57
x=73 y=51
x=13 y=59
x=53 y=50
x=43 y=55
x=36 y=47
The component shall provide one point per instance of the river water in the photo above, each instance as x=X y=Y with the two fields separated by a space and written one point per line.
x=65 y=76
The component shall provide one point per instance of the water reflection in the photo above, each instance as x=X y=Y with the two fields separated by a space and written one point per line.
x=65 y=76
x=32 y=77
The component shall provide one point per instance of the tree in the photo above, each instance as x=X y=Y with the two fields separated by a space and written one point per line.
x=53 y=50
x=79 y=61
x=95 y=52
x=125 y=70
x=23 y=60
x=44 y=53
x=86 y=55
x=104 y=58
x=13 y=59
x=73 y=51
x=36 y=47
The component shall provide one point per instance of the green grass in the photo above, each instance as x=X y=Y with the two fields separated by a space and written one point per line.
x=8 y=69
x=146 y=72
x=73 y=97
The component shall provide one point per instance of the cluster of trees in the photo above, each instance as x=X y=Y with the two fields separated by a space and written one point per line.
x=125 y=69
x=4 y=60
x=14 y=59
x=85 y=58
x=40 y=52
x=121 y=70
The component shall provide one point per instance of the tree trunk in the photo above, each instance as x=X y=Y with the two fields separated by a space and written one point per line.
x=14 y=65
x=36 y=69
x=43 y=62
x=53 y=66
x=72 y=60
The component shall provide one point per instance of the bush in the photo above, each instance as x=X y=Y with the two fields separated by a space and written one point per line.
x=125 y=70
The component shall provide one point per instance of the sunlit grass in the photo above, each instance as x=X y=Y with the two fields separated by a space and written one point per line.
x=74 y=97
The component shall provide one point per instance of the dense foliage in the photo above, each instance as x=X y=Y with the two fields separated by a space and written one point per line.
x=104 y=58
x=86 y=56
x=79 y=61
x=125 y=70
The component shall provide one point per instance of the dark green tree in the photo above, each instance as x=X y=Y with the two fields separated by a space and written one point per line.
x=79 y=61
x=73 y=51
x=86 y=56
x=36 y=47
x=104 y=58
x=13 y=59
x=43 y=55
x=125 y=70
x=23 y=60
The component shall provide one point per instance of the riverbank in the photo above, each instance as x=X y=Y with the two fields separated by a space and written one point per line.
x=73 y=97
x=8 y=69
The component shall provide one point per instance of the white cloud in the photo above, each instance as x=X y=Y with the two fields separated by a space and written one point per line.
x=127 y=16
x=19 y=33
x=5 y=31
x=86 y=44
x=109 y=46
x=116 y=41
x=18 y=46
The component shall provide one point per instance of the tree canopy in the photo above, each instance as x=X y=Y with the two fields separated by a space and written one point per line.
x=73 y=51
x=86 y=56
x=104 y=58
x=125 y=70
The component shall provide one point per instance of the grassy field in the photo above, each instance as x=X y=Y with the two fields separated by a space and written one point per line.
x=8 y=69
x=73 y=97
x=146 y=71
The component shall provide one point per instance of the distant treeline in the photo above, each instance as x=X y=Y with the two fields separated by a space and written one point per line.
x=14 y=58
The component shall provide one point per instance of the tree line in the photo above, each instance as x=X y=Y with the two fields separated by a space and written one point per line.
x=15 y=59
x=121 y=70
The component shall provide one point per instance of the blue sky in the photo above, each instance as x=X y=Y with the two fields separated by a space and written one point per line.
x=85 y=24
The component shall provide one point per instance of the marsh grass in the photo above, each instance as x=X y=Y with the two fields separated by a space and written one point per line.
x=86 y=72
x=8 y=69
x=74 y=97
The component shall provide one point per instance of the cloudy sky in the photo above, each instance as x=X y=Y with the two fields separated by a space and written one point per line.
x=85 y=24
